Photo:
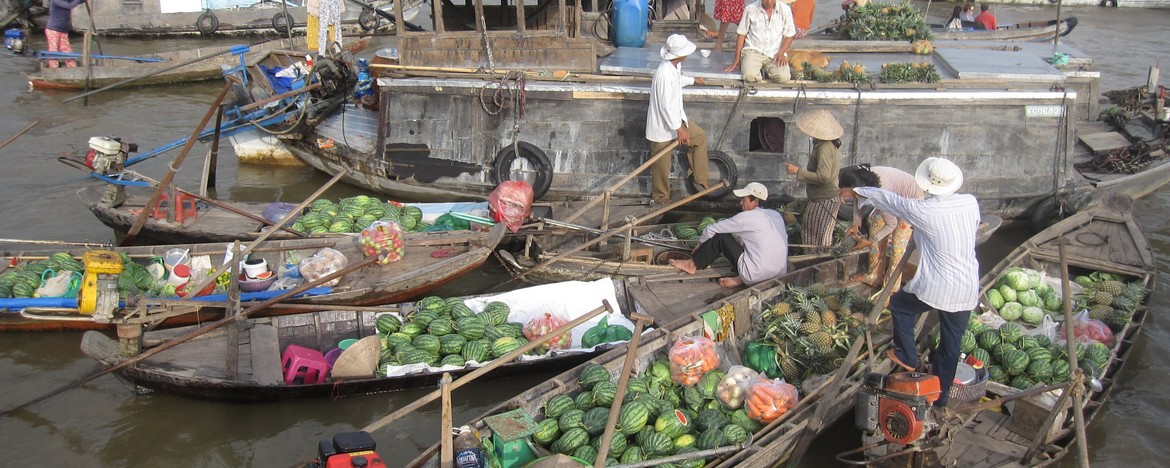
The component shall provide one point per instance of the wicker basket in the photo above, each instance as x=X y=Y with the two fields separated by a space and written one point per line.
x=972 y=392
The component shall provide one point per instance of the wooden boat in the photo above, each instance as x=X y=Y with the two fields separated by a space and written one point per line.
x=109 y=71
x=197 y=368
x=1105 y=239
x=1027 y=31
x=226 y=222
x=769 y=446
x=235 y=18
x=430 y=260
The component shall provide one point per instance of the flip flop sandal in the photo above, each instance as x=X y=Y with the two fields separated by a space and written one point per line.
x=893 y=357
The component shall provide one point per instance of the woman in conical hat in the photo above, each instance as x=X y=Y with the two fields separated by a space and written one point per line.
x=820 y=176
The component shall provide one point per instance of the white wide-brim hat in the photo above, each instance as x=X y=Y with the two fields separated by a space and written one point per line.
x=819 y=124
x=754 y=189
x=677 y=45
x=938 y=176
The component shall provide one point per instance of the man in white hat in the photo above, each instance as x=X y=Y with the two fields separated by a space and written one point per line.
x=763 y=255
x=666 y=121
x=764 y=36
x=947 y=280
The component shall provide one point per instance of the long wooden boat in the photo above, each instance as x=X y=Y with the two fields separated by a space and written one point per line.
x=1106 y=240
x=234 y=18
x=769 y=445
x=197 y=368
x=430 y=260
x=221 y=223
x=109 y=71
x=1027 y=31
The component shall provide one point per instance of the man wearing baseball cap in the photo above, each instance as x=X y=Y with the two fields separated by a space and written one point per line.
x=763 y=255
x=945 y=225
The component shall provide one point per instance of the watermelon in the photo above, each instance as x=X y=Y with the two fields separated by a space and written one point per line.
x=558 y=405
x=441 y=326
x=491 y=332
x=1021 y=382
x=603 y=393
x=1001 y=350
x=1010 y=332
x=633 y=417
x=571 y=419
x=1040 y=370
x=451 y=344
x=1060 y=371
x=1098 y=353
x=710 y=439
x=460 y=310
x=584 y=400
x=617 y=444
x=504 y=346
x=595 y=419
x=428 y=343
x=414 y=356
x=471 y=328
x=1043 y=340
x=673 y=423
x=1015 y=362
x=989 y=339
x=592 y=374
x=585 y=452
x=657 y=444
x=453 y=360
x=387 y=324
x=637 y=385
x=653 y=405
x=424 y=317
x=476 y=350
x=734 y=434
x=982 y=355
x=632 y=455
x=967 y=342
x=1039 y=354
x=1027 y=342
x=434 y=304
x=496 y=312
x=711 y=419
x=570 y=441
x=996 y=374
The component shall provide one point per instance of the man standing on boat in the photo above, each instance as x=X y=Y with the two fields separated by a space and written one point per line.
x=666 y=121
x=764 y=36
x=763 y=255
x=57 y=30
x=947 y=280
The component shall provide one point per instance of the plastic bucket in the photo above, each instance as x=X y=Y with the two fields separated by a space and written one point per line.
x=179 y=275
x=346 y=343
x=332 y=355
x=176 y=257
x=630 y=21
x=254 y=267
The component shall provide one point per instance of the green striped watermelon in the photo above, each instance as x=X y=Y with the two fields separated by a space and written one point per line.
x=471 y=328
x=441 y=326
x=595 y=419
x=709 y=439
x=657 y=444
x=571 y=419
x=460 y=310
x=1015 y=362
x=570 y=440
x=387 y=324
x=453 y=360
x=989 y=339
x=617 y=444
x=592 y=374
x=603 y=393
x=673 y=423
x=476 y=350
x=451 y=344
x=548 y=432
x=633 y=417
x=734 y=434
x=557 y=405
x=428 y=343
x=584 y=400
x=504 y=346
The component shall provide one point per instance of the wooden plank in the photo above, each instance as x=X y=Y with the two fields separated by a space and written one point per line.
x=1104 y=142
x=264 y=349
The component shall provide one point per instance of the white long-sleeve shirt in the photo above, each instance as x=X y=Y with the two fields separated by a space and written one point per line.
x=945 y=229
x=666 y=114
x=765 y=243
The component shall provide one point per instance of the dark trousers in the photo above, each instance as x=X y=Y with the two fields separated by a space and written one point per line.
x=719 y=244
x=904 y=309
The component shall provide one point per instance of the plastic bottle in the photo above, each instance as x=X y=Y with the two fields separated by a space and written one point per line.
x=364 y=84
x=468 y=454
x=630 y=18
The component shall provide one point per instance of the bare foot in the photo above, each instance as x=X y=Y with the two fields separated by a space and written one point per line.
x=730 y=282
x=687 y=266
x=865 y=279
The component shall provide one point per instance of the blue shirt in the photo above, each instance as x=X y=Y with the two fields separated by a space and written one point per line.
x=945 y=229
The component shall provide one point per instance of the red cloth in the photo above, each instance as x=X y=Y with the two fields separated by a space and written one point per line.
x=986 y=20
x=729 y=11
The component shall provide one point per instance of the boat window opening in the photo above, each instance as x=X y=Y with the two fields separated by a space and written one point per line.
x=767 y=135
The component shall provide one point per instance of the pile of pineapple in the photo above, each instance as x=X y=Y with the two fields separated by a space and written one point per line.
x=1109 y=299
x=813 y=328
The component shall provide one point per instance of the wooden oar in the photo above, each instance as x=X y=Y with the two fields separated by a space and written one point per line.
x=196 y=333
x=173 y=169
x=45 y=242
x=623 y=380
x=408 y=409
x=1077 y=386
x=620 y=229
x=21 y=132
x=664 y=153
x=842 y=373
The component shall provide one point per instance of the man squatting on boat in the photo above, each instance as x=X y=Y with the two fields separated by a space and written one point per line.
x=764 y=252
x=762 y=40
x=947 y=280
x=666 y=120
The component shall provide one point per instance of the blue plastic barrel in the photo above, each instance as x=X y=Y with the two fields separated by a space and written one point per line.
x=630 y=19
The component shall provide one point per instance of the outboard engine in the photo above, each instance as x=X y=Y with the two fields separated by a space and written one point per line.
x=99 y=286
x=14 y=40
x=107 y=155
x=348 y=449
x=898 y=404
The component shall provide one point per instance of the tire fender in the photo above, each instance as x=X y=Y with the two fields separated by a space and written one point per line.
x=536 y=159
x=725 y=166
x=282 y=21
x=207 y=23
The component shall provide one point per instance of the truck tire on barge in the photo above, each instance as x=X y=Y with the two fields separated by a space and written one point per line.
x=724 y=169
x=538 y=172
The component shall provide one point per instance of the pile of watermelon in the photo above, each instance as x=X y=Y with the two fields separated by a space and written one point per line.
x=24 y=280
x=356 y=213
x=658 y=418
x=1018 y=360
x=443 y=332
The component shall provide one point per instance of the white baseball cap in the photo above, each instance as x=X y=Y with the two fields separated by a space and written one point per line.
x=938 y=176
x=754 y=189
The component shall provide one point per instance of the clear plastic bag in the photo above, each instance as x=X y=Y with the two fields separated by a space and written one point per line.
x=1048 y=328
x=732 y=390
x=383 y=239
x=322 y=264
x=541 y=325
x=511 y=203
x=768 y=399
x=690 y=358
x=1088 y=330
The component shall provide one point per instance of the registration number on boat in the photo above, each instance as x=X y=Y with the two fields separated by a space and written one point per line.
x=1043 y=111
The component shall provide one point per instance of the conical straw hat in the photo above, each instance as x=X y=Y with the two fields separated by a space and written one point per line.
x=358 y=360
x=820 y=125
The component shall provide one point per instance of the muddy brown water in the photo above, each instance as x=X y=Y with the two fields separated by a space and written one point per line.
x=103 y=424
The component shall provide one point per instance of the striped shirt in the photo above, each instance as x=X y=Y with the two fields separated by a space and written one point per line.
x=945 y=229
x=765 y=243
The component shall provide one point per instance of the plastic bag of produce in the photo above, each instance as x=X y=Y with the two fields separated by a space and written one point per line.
x=511 y=202
x=760 y=356
x=768 y=399
x=1088 y=330
x=603 y=332
x=1048 y=327
x=383 y=239
x=690 y=358
x=733 y=388
x=541 y=325
x=322 y=264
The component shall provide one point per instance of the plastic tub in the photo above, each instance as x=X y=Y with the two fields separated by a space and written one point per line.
x=332 y=355
x=346 y=343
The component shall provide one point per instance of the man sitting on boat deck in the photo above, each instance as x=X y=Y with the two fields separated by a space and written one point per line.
x=947 y=280
x=666 y=120
x=985 y=20
x=764 y=253
x=764 y=36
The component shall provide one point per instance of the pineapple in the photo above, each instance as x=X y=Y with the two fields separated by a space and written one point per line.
x=1114 y=288
x=813 y=317
x=818 y=290
x=832 y=302
x=828 y=319
x=1101 y=297
x=788 y=366
x=1100 y=312
x=808 y=328
x=822 y=342
x=781 y=309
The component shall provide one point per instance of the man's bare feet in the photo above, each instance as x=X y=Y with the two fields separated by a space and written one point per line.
x=867 y=279
x=730 y=282
x=687 y=266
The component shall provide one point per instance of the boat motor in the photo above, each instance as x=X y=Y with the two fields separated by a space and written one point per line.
x=99 y=286
x=107 y=155
x=898 y=404
x=348 y=449
x=14 y=40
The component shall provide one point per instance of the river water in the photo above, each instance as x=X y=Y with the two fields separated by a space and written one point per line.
x=103 y=424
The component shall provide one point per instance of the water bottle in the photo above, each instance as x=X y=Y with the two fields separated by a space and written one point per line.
x=467 y=451
x=364 y=84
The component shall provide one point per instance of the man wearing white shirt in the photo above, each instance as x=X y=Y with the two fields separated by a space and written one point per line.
x=666 y=121
x=764 y=36
x=947 y=280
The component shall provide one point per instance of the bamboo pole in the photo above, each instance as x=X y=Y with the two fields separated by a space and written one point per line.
x=408 y=409
x=18 y=134
x=196 y=333
x=627 y=367
x=1077 y=386
x=634 y=173
x=46 y=242
x=446 y=448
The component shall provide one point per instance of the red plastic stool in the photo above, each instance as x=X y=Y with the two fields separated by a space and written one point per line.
x=309 y=365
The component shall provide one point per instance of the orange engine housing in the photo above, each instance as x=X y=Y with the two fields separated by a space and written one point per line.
x=915 y=384
x=902 y=410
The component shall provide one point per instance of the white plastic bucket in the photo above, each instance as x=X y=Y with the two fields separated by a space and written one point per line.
x=254 y=267
x=175 y=257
